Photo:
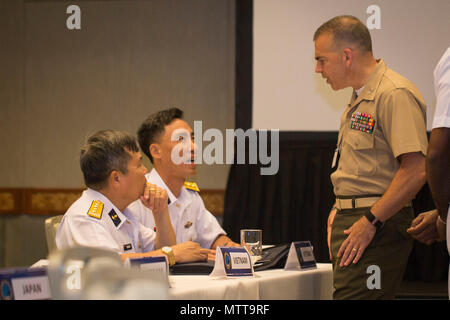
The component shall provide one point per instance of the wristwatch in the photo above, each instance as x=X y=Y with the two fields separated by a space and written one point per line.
x=168 y=251
x=374 y=220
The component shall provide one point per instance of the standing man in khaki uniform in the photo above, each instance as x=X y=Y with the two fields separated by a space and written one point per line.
x=381 y=149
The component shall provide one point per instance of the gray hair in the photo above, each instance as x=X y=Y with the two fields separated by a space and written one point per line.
x=106 y=151
x=347 y=29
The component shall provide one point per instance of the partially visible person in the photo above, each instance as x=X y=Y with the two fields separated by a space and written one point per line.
x=168 y=142
x=115 y=178
x=434 y=225
x=381 y=145
x=426 y=228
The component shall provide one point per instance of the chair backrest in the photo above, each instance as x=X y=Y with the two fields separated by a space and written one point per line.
x=51 y=227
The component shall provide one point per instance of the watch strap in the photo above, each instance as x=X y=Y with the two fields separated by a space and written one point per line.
x=168 y=251
x=373 y=220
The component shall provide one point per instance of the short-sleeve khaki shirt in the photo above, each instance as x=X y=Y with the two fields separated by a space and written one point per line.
x=386 y=120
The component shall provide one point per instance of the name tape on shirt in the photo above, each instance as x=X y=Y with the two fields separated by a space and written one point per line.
x=301 y=256
x=232 y=262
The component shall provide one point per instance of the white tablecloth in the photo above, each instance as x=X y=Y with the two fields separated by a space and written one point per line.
x=275 y=284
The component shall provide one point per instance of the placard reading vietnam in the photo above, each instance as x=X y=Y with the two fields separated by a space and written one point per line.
x=301 y=256
x=232 y=262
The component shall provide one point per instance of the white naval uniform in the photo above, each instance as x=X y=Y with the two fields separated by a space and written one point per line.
x=87 y=223
x=189 y=217
x=442 y=114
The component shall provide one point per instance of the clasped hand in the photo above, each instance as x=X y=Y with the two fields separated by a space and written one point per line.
x=426 y=228
x=155 y=198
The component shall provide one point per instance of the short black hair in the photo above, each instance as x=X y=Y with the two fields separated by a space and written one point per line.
x=104 y=152
x=153 y=127
x=347 y=29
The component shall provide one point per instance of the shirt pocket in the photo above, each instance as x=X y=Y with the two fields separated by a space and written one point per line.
x=362 y=152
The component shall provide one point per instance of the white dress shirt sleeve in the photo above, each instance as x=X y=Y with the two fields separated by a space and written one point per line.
x=208 y=228
x=143 y=216
x=148 y=237
x=79 y=231
x=442 y=88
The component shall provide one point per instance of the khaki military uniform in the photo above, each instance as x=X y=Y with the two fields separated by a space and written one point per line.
x=386 y=120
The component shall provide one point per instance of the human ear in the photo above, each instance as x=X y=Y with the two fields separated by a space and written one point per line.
x=114 y=177
x=348 y=55
x=155 y=151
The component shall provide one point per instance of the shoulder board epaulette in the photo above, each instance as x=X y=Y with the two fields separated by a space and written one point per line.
x=191 y=186
x=96 y=209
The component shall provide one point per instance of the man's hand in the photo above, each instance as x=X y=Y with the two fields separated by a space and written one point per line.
x=360 y=234
x=221 y=241
x=407 y=181
x=190 y=251
x=156 y=199
x=424 y=227
x=224 y=241
x=329 y=228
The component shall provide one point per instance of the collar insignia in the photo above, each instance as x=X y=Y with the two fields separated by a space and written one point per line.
x=114 y=217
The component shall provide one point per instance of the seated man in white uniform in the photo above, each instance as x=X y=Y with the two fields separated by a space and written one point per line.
x=115 y=176
x=158 y=136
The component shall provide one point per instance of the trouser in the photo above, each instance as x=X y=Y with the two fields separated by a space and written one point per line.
x=379 y=272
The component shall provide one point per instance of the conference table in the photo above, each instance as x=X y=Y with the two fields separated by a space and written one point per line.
x=273 y=284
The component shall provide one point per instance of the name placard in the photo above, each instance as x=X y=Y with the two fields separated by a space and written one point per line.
x=24 y=284
x=301 y=256
x=157 y=264
x=156 y=267
x=232 y=262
